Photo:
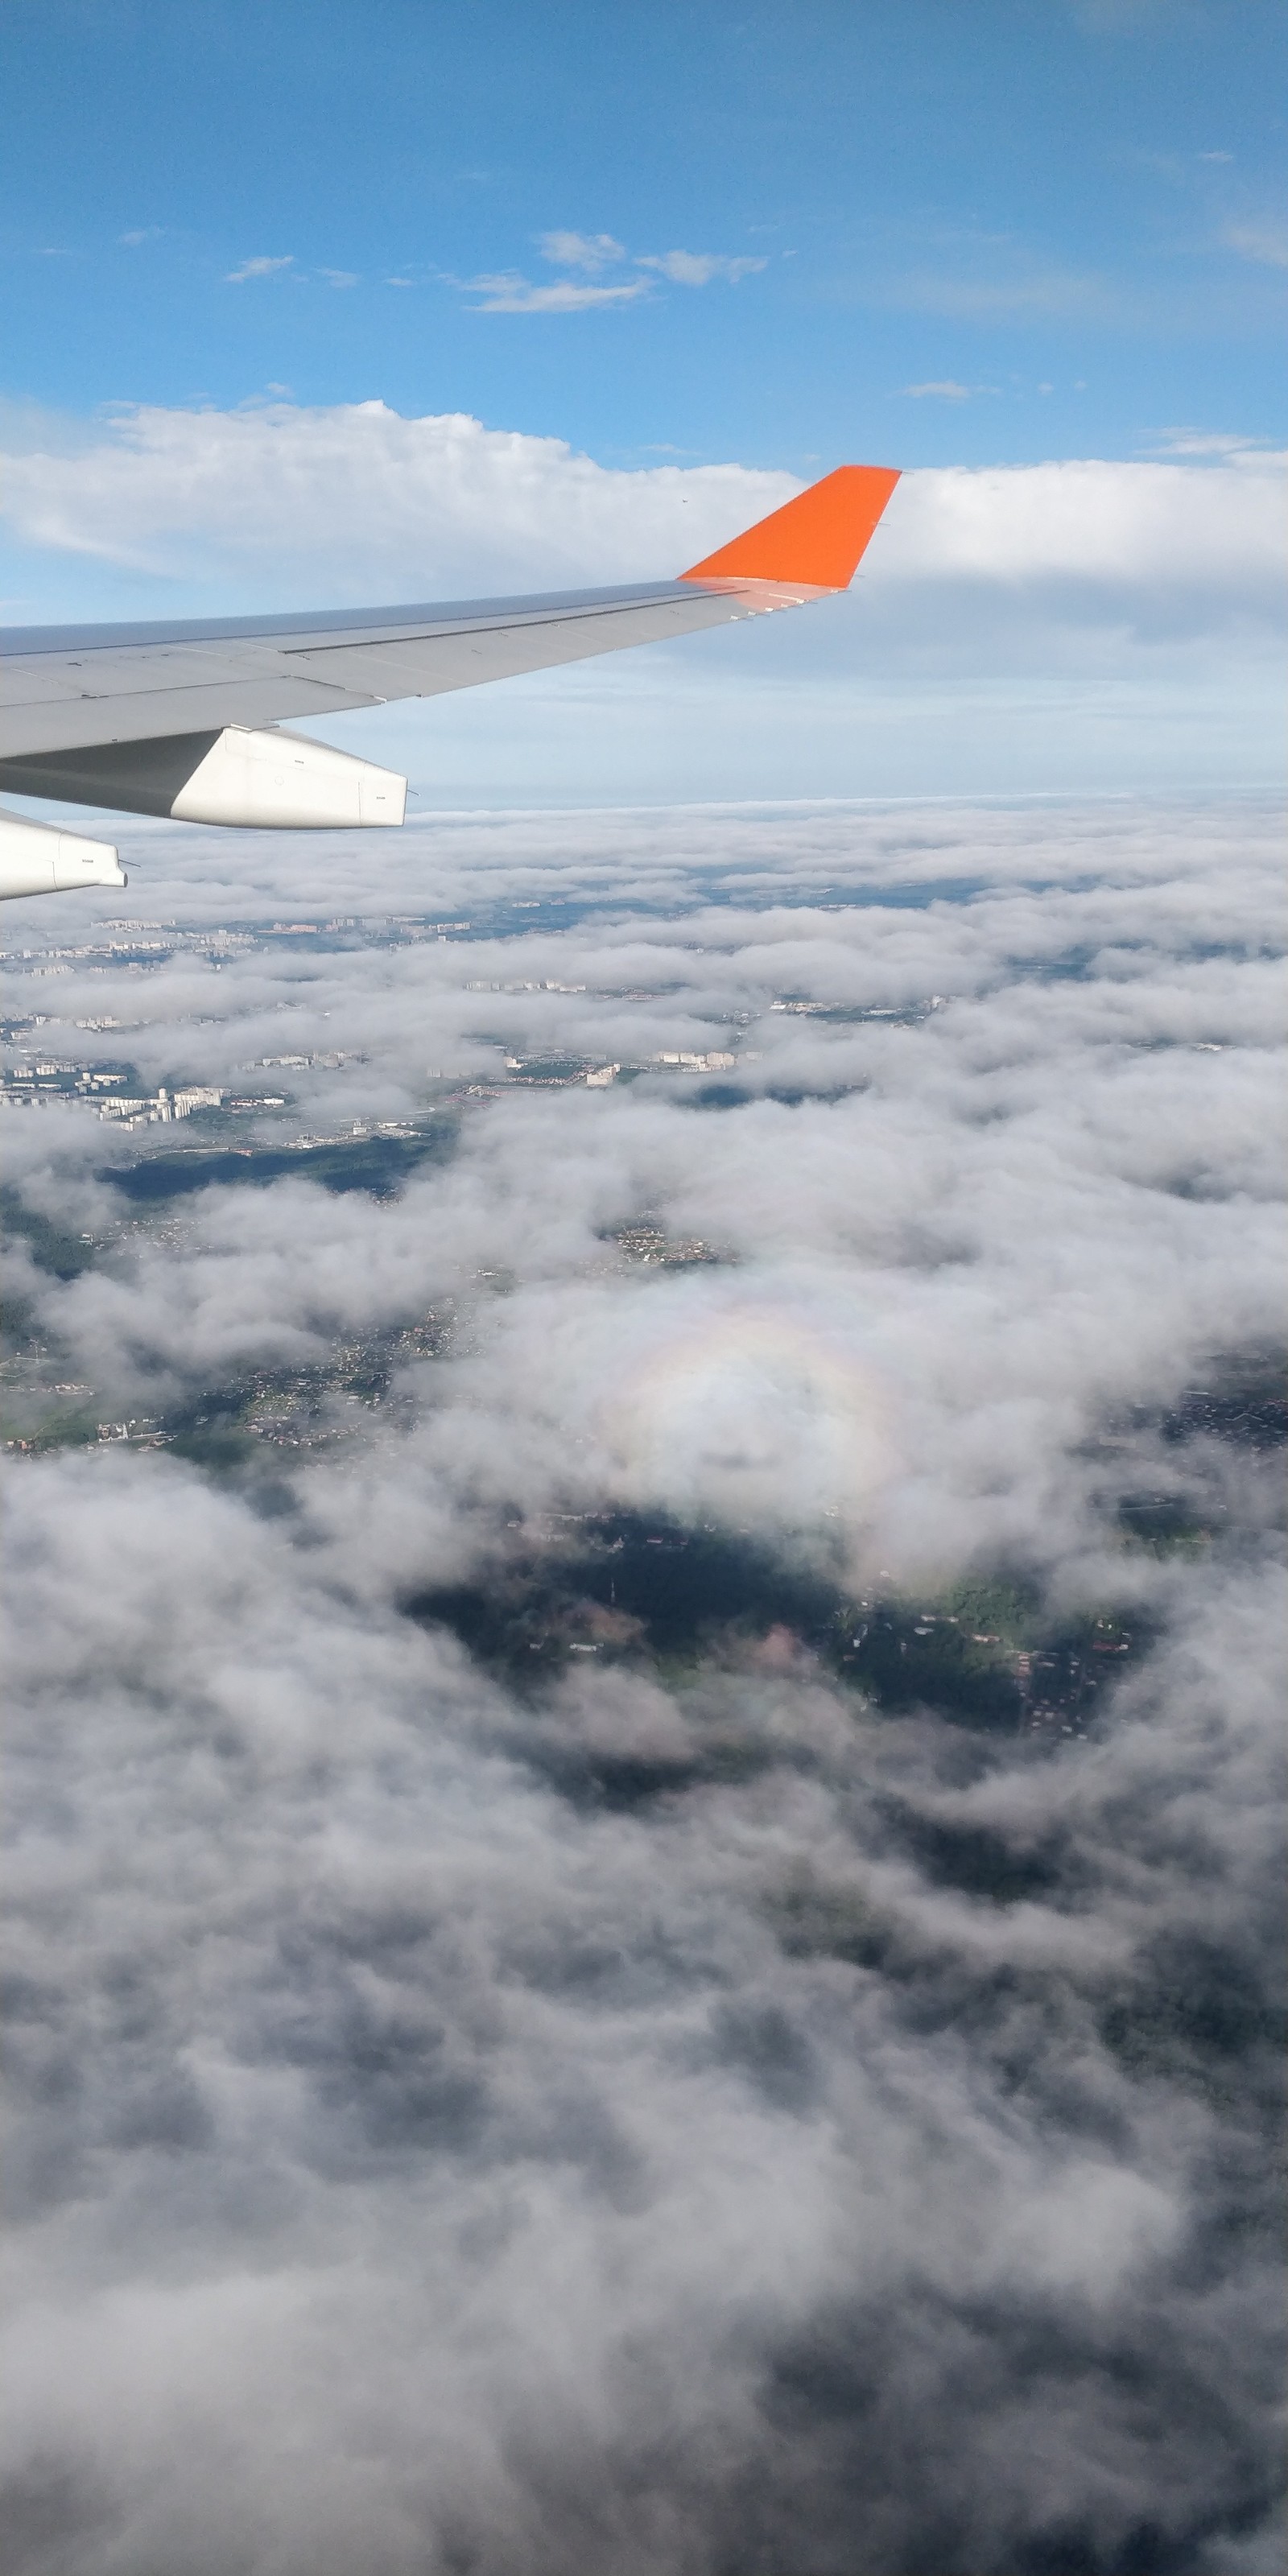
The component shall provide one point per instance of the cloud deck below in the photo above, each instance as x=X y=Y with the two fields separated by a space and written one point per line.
x=643 y=1731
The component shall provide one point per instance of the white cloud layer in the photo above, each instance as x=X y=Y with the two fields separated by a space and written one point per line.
x=668 y=2116
x=357 y=490
x=359 y=493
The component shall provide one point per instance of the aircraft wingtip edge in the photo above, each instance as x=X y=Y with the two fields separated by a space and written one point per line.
x=817 y=540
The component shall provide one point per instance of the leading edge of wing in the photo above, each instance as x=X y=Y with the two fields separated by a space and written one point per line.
x=301 y=626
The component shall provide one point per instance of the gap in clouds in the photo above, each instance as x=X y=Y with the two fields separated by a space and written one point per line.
x=642 y=1801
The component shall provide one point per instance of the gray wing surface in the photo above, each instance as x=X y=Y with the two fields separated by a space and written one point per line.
x=63 y=689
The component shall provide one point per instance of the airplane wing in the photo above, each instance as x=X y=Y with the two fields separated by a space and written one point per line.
x=185 y=719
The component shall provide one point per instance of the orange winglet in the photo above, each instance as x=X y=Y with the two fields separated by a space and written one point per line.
x=816 y=540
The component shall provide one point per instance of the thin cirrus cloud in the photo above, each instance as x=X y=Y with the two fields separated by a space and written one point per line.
x=509 y=292
x=1227 y=444
x=945 y=389
x=1266 y=243
x=1053 y=293
x=251 y=269
x=585 y=258
x=260 y=267
x=588 y=256
x=989 y=284
x=588 y=251
x=699 y=268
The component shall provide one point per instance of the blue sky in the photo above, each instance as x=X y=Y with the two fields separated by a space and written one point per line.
x=1074 y=214
x=262 y=261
